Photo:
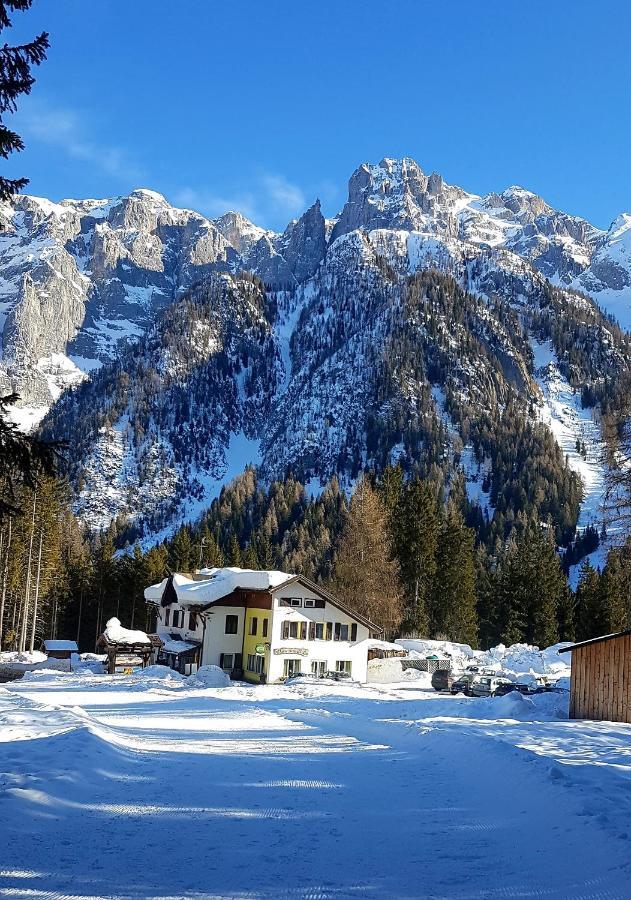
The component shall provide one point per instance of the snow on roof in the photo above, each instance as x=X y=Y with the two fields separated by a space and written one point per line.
x=61 y=645
x=218 y=583
x=375 y=644
x=116 y=634
x=170 y=645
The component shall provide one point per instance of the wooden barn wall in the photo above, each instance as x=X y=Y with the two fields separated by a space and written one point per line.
x=601 y=681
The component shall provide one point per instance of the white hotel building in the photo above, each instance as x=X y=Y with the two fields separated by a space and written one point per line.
x=262 y=626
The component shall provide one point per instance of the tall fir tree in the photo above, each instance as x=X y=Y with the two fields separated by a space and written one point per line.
x=365 y=575
x=590 y=617
x=416 y=523
x=453 y=610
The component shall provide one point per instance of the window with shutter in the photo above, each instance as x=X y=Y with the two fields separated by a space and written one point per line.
x=354 y=631
x=312 y=631
x=337 y=631
x=285 y=631
x=329 y=631
x=265 y=624
x=303 y=631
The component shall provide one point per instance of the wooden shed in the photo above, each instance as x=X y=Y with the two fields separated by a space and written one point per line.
x=600 y=686
x=60 y=649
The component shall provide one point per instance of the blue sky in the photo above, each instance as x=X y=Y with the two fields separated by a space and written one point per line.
x=262 y=105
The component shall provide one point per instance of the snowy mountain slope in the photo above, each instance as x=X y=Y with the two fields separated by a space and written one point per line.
x=327 y=379
x=80 y=277
x=328 y=369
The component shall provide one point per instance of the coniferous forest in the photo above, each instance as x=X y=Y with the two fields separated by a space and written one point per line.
x=396 y=550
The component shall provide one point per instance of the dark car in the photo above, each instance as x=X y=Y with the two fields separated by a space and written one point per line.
x=462 y=684
x=506 y=687
x=338 y=676
x=442 y=680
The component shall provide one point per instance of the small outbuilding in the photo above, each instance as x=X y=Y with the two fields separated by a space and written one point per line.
x=127 y=650
x=600 y=685
x=55 y=649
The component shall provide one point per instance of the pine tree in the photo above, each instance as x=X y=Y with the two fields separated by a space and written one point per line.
x=453 y=603
x=365 y=576
x=591 y=619
x=415 y=526
x=614 y=591
x=15 y=79
x=181 y=551
x=235 y=557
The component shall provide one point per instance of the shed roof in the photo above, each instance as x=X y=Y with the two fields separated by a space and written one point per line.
x=596 y=640
x=61 y=645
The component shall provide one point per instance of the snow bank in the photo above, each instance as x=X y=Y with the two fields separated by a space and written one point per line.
x=209 y=676
x=116 y=634
x=516 y=660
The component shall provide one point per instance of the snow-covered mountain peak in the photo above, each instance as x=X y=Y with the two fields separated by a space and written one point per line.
x=620 y=227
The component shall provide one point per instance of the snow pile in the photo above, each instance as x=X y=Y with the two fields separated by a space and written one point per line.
x=520 y=659
x=217 y=583
x=209 y=677
x=24 y=658
x=459 y=654
x=420 y=680
x=162 y=672
x=516 y=660
x=116 y=634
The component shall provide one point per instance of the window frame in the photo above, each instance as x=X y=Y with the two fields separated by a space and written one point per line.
x=232 y=618
x=254 y=626
x=222 y=661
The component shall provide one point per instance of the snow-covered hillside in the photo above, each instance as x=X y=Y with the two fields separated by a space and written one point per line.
x=79 y=277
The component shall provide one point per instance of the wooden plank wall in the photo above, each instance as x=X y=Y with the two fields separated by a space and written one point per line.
x=601 y=681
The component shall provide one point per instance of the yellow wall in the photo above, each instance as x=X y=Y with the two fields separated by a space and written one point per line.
x=251 y=640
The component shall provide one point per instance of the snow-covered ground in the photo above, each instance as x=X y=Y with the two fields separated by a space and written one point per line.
x=150 y=787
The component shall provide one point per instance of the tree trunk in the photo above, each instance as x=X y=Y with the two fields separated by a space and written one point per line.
x=36 y=602
x=79 y=616
x=27 y=592
x=5 y=561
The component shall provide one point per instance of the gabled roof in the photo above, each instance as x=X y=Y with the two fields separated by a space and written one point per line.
x=318 y=589
x=596 y=640
x=220 y=583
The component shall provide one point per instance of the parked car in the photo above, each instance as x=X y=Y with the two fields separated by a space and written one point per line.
x=507 y=686
x=442 y=680
x=337 y=676
x=486 y=685
x=462 y=684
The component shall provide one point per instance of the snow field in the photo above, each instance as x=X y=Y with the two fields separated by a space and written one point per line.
x=129 y=787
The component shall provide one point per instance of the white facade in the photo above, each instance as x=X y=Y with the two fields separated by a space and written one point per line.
x=329 y=653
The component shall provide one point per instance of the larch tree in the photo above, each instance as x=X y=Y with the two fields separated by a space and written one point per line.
x=365 y=576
